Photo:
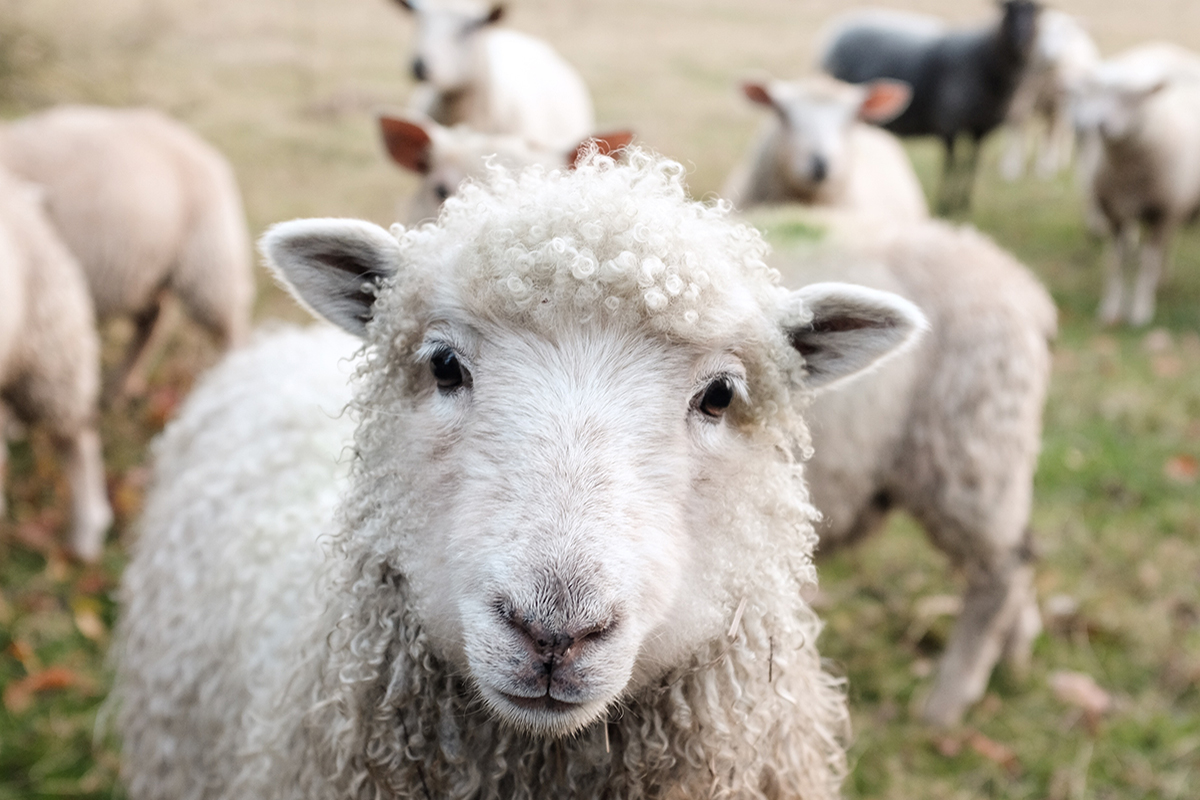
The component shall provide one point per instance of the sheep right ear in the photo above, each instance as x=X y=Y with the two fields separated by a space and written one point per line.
x=408 y=143
x=332 y=266
x=605 y=143
x=851 y=328
x=758 y=93
x=884 y=101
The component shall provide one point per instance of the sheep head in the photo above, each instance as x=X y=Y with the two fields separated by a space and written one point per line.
x=578 y=421
x=448 y=43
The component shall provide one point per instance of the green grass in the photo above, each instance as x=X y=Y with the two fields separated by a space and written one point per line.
x=286 y=88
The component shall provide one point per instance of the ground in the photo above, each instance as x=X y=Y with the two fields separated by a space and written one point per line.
x=288 y=89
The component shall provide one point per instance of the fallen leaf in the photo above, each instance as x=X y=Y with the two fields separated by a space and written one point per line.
x=1181 y=469
x=19 y=695
x=1166 y=365
x=995 y=752
x=1080 y=690
x=87 y=618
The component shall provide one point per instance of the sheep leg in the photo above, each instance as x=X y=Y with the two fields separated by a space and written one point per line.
x=1060 y=138
x=1154 y=253
x=945 y=190
x=1123 y=244
x=3 y=457
x=1012 y=164
x=90 y=512
x=996 y=603
x=130 y=379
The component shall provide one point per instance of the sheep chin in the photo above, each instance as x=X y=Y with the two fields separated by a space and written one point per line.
x=542 y=716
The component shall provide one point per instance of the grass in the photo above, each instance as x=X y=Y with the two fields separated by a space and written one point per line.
x=286 y=88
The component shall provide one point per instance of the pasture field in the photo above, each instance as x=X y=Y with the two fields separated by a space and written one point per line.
x=288 y=90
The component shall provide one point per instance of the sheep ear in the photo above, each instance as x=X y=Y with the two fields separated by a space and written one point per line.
x=495 y=15
x=852 y=328
x=885 y=100
x=332 y=266
x=604 y=144
x=407 y=142
x=758 y=93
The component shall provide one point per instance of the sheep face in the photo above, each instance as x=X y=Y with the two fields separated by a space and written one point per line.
x=816 y=116
x=1018 y=25
x=1112 y=106
x=449 y=41
x=580 y=384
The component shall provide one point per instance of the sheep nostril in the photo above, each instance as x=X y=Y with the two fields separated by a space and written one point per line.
x=419 y=72
x=820 y=168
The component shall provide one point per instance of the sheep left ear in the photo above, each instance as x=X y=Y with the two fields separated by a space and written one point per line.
x=884 y=101
x=334 y=267
x=495 y=15
x=852 y=328
x=604 y=143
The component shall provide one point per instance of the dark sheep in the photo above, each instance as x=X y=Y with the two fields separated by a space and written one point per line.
x=962 y=80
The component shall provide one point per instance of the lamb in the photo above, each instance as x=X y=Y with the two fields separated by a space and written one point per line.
x=146 y=207
x=949 y=431
x=445 y=157
x=1063 y=54
x=1142 y=110
x=815 y=149
x=962 y=80
x=571 y=535
x=50 y=356
x=494 y=80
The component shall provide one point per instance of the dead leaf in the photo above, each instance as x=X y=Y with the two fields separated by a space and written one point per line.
x=19 y=695
x=1081 y=690
x=995 y=752
x=1166 y=365
x=1181 y=469
x=87 y=618
x=161 y=404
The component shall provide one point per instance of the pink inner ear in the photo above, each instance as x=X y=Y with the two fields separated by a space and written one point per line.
x=757 y=93
x=606 y=144
x=885 y=101
x=407 y=143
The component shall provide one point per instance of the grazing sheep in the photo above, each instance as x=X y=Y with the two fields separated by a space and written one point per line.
x=50 y=356
x=962 y=81
x=815 y=150
x=146 y=207
x=1142 y=111
x=572 y=532
x=949 y=431
x=495 y=80
x=1063 y=54
x=445 y=157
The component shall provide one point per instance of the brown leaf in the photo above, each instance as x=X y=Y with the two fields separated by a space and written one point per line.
x=1181 y=469
x=1081 y=690
x=19 y=695
x=995 y=752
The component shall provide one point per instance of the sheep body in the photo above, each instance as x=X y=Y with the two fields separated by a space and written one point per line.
x=50 y=356
x=495 y=80
x=949 y=431
x=962 y=81
x=145 y=206
x=814 y=150
x=584 y=288
x=1141 y=110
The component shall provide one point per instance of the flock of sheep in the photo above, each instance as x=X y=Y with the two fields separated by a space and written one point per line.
x=535 y=516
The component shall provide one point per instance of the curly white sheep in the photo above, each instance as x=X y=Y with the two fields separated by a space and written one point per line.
x=949 y=431
x=492 y=79
x=50 y=356
x=146 y=207
x=572 y=530
x=818 y=149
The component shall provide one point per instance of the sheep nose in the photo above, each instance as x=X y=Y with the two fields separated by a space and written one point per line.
x=820 y=168
x=557 y=645
x=419 y=71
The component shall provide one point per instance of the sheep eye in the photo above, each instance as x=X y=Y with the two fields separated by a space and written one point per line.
x=716 y=398
x=441 y=191
x=447 y=371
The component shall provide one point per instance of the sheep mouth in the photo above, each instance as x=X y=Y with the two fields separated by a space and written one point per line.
x=540 y=703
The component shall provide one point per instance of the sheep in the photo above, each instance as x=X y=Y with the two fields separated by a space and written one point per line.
x=494 y=80
x=50 y=356
x=146 y=207
x=815 y=150
x=571 y=535
x=949 y=431
x=1142 y=111
x=445 y=157
x=1063 y=53
x=962 y=80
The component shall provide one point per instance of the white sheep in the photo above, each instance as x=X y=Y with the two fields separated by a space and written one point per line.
x=572 y=531
x=445 y=157
x=1142 y=111
x=492 y=79
x=146 y=207
x=1063 y=54
x=50 y=356
x=948 y=431
x=819 y=149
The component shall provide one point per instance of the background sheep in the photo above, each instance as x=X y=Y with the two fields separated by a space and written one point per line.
x=1062 y=55
x=146 y=207
x=50 y=357
x=495 y=80
x=445 y=157
x=572 y=488
x=1142 y=109
x=949 y=431
x=816 y=151
x=962 y=81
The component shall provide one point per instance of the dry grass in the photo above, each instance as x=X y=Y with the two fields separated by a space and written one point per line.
x=287 y=89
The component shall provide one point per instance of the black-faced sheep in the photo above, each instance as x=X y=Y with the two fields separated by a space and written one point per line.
x=818 y=150
x=949 y=431
x=146 y=207
x=572 y=530
x=50 y=356
x=494 y=80
x=962 y=80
